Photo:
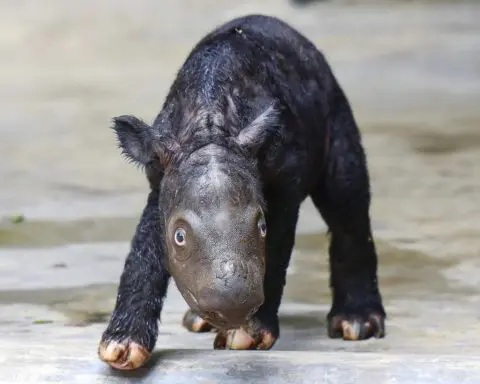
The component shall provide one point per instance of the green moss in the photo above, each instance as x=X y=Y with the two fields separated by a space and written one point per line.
x=43 y=322
x=17 y=219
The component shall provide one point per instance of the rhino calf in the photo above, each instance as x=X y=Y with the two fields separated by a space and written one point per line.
x=253 y=124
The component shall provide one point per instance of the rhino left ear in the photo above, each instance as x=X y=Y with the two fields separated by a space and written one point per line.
x=134 y=138
x=253 y=136
x=141 y=143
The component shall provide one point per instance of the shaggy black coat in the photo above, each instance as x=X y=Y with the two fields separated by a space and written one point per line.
x=302 y=141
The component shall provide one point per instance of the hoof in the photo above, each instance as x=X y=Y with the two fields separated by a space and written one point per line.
x=194 y=323
x=242 y=339
x=355 y=328
x=124 y=356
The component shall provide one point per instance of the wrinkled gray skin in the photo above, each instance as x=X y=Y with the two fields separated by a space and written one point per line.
x=215 y=237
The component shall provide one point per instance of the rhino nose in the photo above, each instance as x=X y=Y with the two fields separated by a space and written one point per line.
x=229 y=308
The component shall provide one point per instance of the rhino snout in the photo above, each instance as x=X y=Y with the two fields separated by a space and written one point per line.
x=234 y=296
x=228 y=309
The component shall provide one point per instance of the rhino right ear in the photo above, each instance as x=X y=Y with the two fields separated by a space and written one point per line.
x=141 y=143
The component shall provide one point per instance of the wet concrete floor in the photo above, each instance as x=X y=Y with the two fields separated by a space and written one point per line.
x=412 y=72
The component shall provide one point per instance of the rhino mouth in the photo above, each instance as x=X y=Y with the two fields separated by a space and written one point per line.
x=216 y=318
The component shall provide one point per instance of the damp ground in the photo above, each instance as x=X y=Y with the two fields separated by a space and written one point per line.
x=69 y=203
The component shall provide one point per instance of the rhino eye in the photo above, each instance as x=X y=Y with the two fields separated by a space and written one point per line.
x=262 y=226
x=180 y=236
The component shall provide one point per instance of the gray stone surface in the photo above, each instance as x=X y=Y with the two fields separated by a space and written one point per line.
x=176 y=365
x=51 y=324
x=412 y=72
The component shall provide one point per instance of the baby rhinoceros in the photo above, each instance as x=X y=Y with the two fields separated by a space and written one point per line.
x=254 y=123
